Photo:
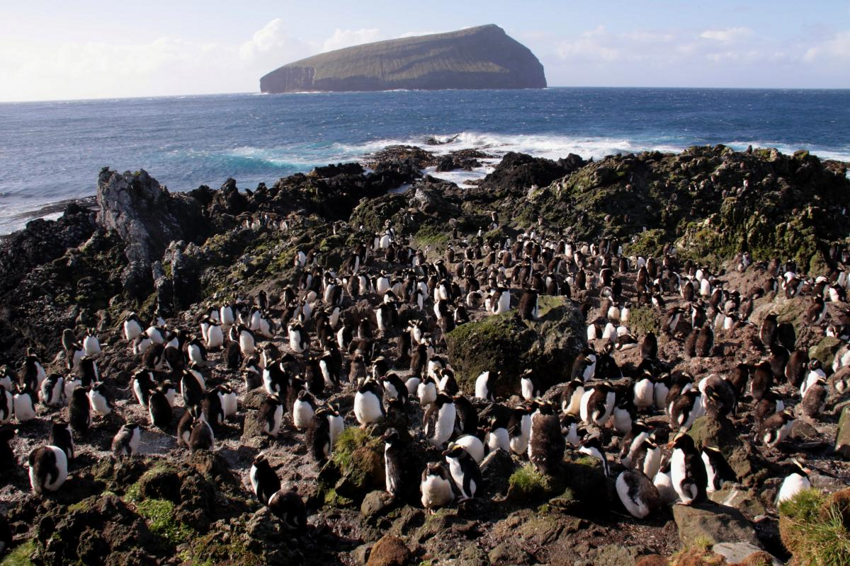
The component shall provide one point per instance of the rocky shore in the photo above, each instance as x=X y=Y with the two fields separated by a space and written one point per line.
x=585 y=242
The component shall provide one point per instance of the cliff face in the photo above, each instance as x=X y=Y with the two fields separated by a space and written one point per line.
x=475 y=58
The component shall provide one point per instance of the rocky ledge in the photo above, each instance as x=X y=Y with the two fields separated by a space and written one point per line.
x=579 y=334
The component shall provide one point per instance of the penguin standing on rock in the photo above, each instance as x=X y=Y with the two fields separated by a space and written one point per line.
x=101 y=404
x=396 y=462
x=794 y=483
x=79 y=411
x=126 y=442
x=776 y=428
x=436 y=487
x=53 y=390
x=687 y=470
x=546 y=443
x=592 y=446
x=264 y=480
x=464 y=471
x=48 y=469
x=439 y=420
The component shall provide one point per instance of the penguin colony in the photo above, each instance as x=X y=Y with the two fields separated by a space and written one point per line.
x=375 y=329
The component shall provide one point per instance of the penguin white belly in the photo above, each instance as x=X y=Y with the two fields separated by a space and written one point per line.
x=622 y=421
x=473 y=445
x=195 y=355
x=498 y=439
x=52 y=397
x=458 y=477
x=275 y=425
x=246 y=344
x=664 y=483
x=583 y=412
x=91 y=346
x=61 y=466
x=637 y=508
x=99 y=404
x=644 y=394
x=652 y=462
x=132 y=330
x=481 y=391
x=527 y=389
x=678 y=475
x=791 y=486
x=710 y=472
x=436 y=492
x=519 y=443
x=367 y=408
x=24 y=409
x=427 y=393
x=445 y=425
x=660 y=392
x=302 y=414
x=412 y=385
x=591 y=332
x=135 y=441
x=574 y=406
x=337 y=425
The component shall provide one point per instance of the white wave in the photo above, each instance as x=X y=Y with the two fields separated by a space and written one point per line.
x=843 y=155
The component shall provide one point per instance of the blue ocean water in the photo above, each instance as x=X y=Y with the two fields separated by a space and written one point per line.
x=53 y=151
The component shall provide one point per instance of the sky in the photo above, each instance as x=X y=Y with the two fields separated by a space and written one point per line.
x=59 y=50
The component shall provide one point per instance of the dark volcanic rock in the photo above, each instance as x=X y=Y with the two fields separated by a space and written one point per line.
x=474 y=58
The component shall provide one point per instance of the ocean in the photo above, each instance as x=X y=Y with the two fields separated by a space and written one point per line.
x=53 y=151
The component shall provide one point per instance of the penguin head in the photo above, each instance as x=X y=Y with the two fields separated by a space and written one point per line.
x=454 y=451
x=684 y=442
x=390 y=436
x=803 y=470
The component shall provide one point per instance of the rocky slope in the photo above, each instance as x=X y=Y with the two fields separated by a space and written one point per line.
x=176 y=255
x=482 y=57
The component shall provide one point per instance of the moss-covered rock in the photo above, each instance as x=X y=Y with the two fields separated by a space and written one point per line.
x=510 y=345
x=814 y=528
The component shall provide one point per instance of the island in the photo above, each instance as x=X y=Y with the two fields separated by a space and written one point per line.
x=483 y=57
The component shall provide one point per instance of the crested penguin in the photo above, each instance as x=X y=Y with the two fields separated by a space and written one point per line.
x=53 y=390
x=776 y=428
x=436 y=487
x=529 y=385
x=133 y=327
x=48 y=469
x=368 y=404
x=303 y=410
x=571 y=397
x=395 y=462
x=91 y=344
x=717 y=469
x=23 y=401
x=597 y=404
x=686 y=409
x=794 y=483
x=202 y=437
x=212 y=409
x=483 y=388
x=464 y=471
x=270 y=415
x=229 y=400
x=264 y=480
x=159 y=409
x=126 y=441
x=101 y=403
x=592 y=446
x=439 y=420
x=687 y=470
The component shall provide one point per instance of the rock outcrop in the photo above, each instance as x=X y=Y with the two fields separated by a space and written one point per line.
x=474 y=58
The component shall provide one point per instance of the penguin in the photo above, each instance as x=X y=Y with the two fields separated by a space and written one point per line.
x=584 y=367
x=597 y=404
x=519 y=429
x=768 y=330
x=212 y=409
x=794 y=483
x=214 y=336
x=649 y=347
x=74 y=352
x=394 y=388
x=303 y=410
x=196 y=352
x=159 y=409
x=814 y=401
x=529 y=386
x=439 y=420
x=571 y=397
x=473 y=445
x=761 y=382
x=705 y=341
x=100 y=401
x=53 y=390
x=7 y=405
x=270 y=415
x=497 y=436
x=637 y=493
x=289 y=508
x=229 y=400
x=395 y=461
x=264 y=480
x=319 y=442
x=436 y=487
x=483 y=388
x=91 y=344
x=61 y=436
x=717 y=469
x=202 y=437
x=776 y=428
x=299 y=339
x=184 y=426
x=464 y=471
x=48 y=469
x=192 y=388
x=687 y=470
x=592 y=446
x=23 y=402
x=247 y=341
x=686 y=409
x=623 y=415
x=126 y=441
x=368 y=405
x=664 y=483
x=643 y=392
x=528 y=305
x=133 y=327
x=545 y=442
x=33 y=373
x=427 y=391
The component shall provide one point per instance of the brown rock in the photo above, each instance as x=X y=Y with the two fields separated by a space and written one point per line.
x=389 y=551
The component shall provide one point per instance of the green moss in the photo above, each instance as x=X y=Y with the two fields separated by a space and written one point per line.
x=813 y=528
x=216 y=548
x=133 y=493
x=350 y=440
x=643 y=320
x=649 y=243
x=20 y=555
x=436 y=236
x=159 y=514
x=528 y=484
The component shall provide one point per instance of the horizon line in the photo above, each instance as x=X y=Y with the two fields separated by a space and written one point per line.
x=258 y=93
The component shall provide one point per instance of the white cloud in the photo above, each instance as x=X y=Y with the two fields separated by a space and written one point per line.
x=350 y=37
x=727 y=35
x=594 y=44
x=836 y=48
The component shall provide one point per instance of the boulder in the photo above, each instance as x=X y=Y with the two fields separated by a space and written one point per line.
x=744 y=554
x=376 y=503
x=739 y=498
x=548 y=346
x=712 y=523
x=389 y=551
x=147 y=218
